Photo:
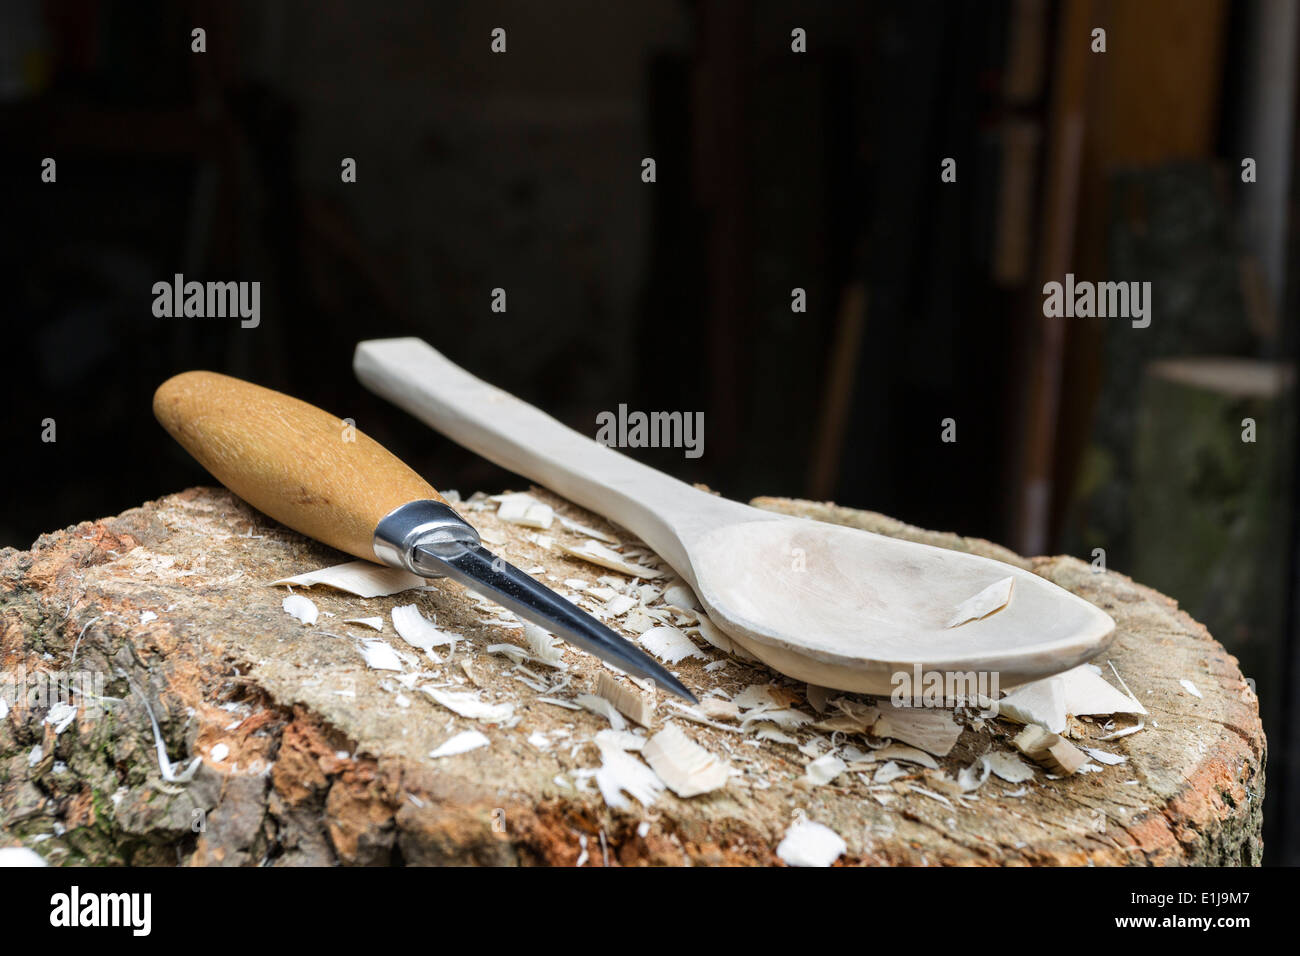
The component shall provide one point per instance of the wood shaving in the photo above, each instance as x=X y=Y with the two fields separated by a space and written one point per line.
x=933 y=731
x=1087 y=693
x=637 y=705
x=686 y=767
x=461 y=743
x=1038 y=702
x=363 y=578
x=1008 y=767
x=679 y=595
x=773 y=733
x=304 y=609
x=818 y=697
x=619 y=604
x=570 y=525
x=557 y=702
x=602 y=708
x=719 y=709
x=906 y=754
x=619 y=740
x=669 y=644
x=598 y=554
x=1104 y=756
x=785 y=718
x=525 y=510
x=374 y=622
x=1125 y=732
x=545 y=647
x=713 y=636
x=418 y=631
x=993 y=598
x=824 y=769
x=469 y=705
x=1190 y=688
x=889 y=772
x=620 y=773
x=808 y=843
x=380 y=656
x=971 y=778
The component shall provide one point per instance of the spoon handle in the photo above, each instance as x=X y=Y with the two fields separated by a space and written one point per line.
x=659 y=509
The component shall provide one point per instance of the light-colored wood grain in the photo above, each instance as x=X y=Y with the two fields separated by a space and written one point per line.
x=830 y=605
x=290 y=460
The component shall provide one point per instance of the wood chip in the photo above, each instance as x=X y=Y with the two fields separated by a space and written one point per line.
x=934 y=731
x=824 y=769
x=418 y=631
x=380 y=656
x=525 y=510
x=808 y=843
x=1190 y=688
x=304 y=609
x=620 y=773
x=1051 y=750
x=461 y=743
x=669 y=644
x=686 y=767
x=993 y=598
x=362 y=578
x=374 y=622
x=635 y=704
x=1008 y=767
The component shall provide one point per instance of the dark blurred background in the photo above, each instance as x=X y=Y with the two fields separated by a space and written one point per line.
x=775 y=170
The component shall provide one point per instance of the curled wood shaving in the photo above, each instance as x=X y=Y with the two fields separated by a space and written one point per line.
x=363 y=578
x=906 y=754
x=570 y=525
x=469 y=705
x=598 y=554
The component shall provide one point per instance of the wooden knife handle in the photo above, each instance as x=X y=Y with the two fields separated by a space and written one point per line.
x=290 y=460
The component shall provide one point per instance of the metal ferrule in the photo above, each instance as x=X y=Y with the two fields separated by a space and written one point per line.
x=429 y=523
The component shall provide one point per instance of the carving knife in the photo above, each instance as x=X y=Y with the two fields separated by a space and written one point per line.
x=318 y=475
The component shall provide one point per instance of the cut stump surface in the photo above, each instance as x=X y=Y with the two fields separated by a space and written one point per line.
x=307 y=756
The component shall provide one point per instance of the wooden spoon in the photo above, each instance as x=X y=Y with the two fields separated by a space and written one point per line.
x=834 y=606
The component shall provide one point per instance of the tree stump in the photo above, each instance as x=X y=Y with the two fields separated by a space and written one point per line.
x=306 y=756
